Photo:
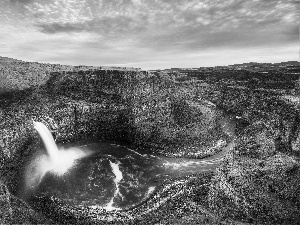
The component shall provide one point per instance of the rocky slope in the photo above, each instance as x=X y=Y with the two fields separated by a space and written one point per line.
x=19 y=75
x=146 y=112
x=258 y=181
x=111 y=105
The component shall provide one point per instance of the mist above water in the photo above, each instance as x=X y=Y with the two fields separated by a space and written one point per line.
x=56 y=161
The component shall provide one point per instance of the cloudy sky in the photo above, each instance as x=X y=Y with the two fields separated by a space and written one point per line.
x=150 y=34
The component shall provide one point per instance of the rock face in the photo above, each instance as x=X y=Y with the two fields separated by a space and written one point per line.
x=153 y=113
x=124 y=106
x=71 y=108
x=167 y=116
x=18 y=75
x=131 y=107
x=259 y=180
x=256 y=183
x=280 y=115
x=14 y=211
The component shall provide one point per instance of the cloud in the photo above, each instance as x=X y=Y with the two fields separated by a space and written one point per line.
x=129 y=31
x=115 y=27
x=165 y=23
x=20 y=1
x=61 y=27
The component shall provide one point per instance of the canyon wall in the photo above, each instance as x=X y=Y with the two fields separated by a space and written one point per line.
x=269 y=107
x=258 y=181
x=131 y=107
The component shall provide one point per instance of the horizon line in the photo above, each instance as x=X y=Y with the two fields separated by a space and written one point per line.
x=133 y=67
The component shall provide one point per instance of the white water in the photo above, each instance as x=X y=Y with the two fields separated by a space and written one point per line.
x=57 y=161
x=198 y=165
x=48 y=139
x=118 y=178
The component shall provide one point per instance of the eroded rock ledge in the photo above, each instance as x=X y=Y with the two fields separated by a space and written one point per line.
x=128 y=107
x=257 y=182
x=152 y=113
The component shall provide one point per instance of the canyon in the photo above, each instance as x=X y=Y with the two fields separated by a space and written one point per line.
x=256 y=181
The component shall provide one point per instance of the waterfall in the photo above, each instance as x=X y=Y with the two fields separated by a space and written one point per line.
x=57 y=161
x=60 y=160
x=48 y=140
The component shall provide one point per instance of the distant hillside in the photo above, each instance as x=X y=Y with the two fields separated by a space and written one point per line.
x=18 y=75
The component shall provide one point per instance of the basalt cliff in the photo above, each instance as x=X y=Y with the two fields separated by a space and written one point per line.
x=257 y=182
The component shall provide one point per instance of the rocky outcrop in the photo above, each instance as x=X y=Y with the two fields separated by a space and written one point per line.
x=152 y=113
x=257 y=183
x=269 y=107
x=15 y=211
x=149 y=113
x=167 y=116
x=16 y=75
x=123 y=106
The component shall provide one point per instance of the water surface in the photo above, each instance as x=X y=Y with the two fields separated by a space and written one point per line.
x=116 y=177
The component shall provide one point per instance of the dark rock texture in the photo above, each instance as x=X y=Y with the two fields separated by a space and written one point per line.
x=152 y=113
x=15 y=211
x=127 y=107
x=257 y=183
x=167 y=116
x=18 y=75
x=273 y=109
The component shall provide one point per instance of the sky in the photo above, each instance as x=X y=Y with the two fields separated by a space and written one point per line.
x=150 y=34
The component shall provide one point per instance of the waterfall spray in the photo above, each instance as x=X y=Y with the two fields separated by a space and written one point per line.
x=57 y=161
